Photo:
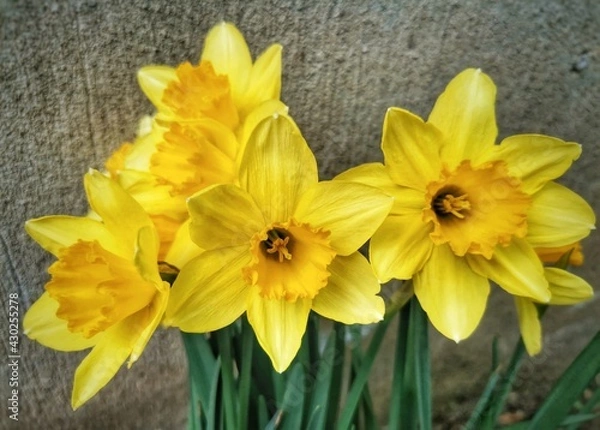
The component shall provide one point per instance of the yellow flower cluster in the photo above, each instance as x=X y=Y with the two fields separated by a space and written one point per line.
x=220 y=191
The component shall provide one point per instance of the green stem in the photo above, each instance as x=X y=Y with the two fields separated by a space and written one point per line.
x=335 y=391
x=201 y=368
x=399 y=366
x=229 y=391
x=356 y=390
x=411 y=390
x=245 y=373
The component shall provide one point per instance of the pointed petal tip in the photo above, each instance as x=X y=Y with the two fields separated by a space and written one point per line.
x=377 y=317
x=279 y=368
x=546 y=297
x=534 y=350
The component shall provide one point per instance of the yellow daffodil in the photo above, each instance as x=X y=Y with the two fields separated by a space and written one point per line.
x=105 y=292
x=279 y=245
x=225 y=86
x=466 y=210
x=205 y=115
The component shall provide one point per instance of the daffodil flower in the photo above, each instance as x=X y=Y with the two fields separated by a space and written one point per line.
x=205 y=114
x=468 y=211
x=226 y=85
x=105 y=292
x=279 y=245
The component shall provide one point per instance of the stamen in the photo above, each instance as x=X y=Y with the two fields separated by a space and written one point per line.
x=277 y=243
x=448 y=204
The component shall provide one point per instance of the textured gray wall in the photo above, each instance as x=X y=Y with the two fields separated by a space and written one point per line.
x=69 y=97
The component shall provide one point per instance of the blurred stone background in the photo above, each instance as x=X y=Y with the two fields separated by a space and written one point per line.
x=69 y=97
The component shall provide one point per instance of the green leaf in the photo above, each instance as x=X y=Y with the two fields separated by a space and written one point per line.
x=213 y=406
x=319 y=399
x=396 y=397
x=572 y=420
x=488 y=414
x=263 y=377
x=411 y=391
x=569 y=387
x=357 y=387
x=365 y=416
x=589 y=406
x=245 y=381
x=333 y=403
x=575 y=420
x=290 y=412
x=263 y=412
x=229 y=394
x=483 y=402
x=419 y=362
x=201 y=368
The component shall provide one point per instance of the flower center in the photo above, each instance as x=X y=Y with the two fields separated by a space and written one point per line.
x=289 y=261
x=445 y=203
x=475 y=209
x=277 y=243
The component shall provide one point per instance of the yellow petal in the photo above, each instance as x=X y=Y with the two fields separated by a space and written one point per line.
x=529 y=324
x=223 y=215
x=146 y=253
x=42 y=325
x=465 y=115
x=54 y=233
x=210 y=292
x=102 y=363
x=152 y=194
x=411 y=149
x=536 y=159
x=121 y=214
x=279 y=326
x=400 y=247
x=516 y=268
x=453 y=296
x=277 y=167
x=558 y=217
x=350 y=212
x=265 y=79
x=183 y=249
x=228 y=52
x=350 y=296
x=406 y=200
x=259 y=113
x=567 y=288
x=143 y=149
x=147 y=321
x=153 y=80
x=195 y=155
